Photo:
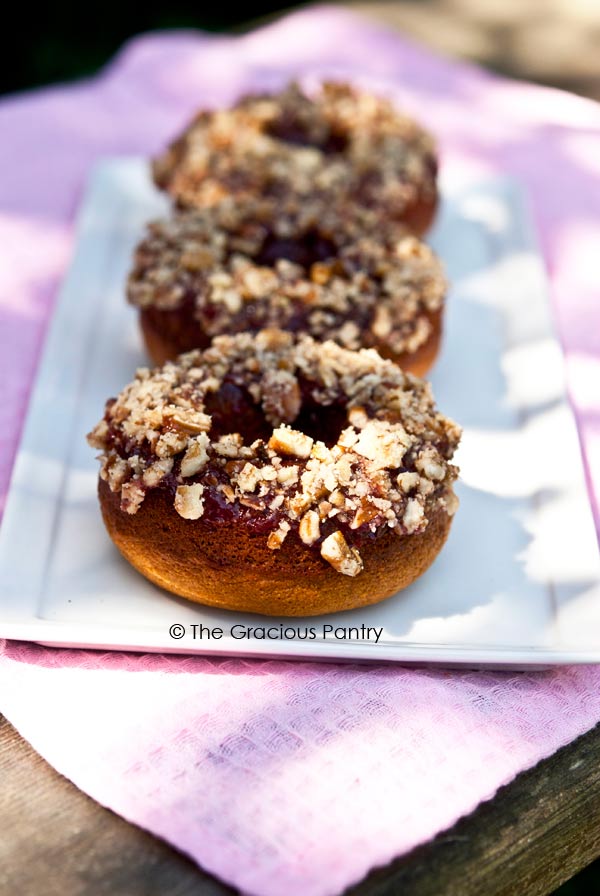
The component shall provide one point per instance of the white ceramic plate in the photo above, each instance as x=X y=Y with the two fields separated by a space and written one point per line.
x=518 y=581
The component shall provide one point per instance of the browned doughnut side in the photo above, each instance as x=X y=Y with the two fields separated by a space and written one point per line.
x=420 y=361
x=420 y=215
x=167 y=334
x=228 y=566
x=170 y=333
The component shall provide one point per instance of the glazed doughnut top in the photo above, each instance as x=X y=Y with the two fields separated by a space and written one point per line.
x=338 y=141
x=286 y=436
x=336 y=272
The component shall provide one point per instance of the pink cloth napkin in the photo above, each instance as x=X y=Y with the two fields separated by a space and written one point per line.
x=282 y=777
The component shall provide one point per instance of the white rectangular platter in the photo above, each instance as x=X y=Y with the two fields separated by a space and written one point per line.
x=517 y=584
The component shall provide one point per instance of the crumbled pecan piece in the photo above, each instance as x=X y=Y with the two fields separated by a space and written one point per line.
x=198 y=258
x=290 y=441
x=364 y=514
x=132 y=495
x=320 y=272
x=383 y=445
x=450 y=502
x=228 y=445
x=282 y=399
x=115 y=473
x=310 y=529
x=196 y=456
x=413 y=515
x=407 y=481
x=157 y=471
x=248 y=478
x=336 y=550
x=429 y=463
x=189 y=502
x=288 y=475
x=277 y=537
x=189 y=421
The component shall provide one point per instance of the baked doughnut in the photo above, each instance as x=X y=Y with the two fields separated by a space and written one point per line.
x=339 y=142
x=277 y=475
x=316 y=269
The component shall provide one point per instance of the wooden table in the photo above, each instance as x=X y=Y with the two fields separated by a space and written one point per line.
x=536 y=833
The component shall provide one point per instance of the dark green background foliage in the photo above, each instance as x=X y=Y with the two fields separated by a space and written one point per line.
x=61 y=40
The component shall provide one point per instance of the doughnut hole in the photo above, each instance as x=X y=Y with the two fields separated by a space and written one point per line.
x=233 y=410
x=305 y=250
x=295 y=132
x=322 y=423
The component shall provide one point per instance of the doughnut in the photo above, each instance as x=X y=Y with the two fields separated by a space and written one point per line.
x=348 y=277
x=273 y=474
x=338 y=142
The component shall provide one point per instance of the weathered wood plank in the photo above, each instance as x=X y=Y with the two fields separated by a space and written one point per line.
x=56 y=841
x=537 y=832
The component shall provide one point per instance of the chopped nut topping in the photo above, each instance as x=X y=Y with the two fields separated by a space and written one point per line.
x=282 y=399
x=229 y=445
x=392 y=294
x=365 y=513
x=132 y=495
x=115 y=472
x=196 y=456
x=337 y=169
x=429 y=464
x=383 y=444
x=249 y=478
x=309 y=529
x=197 y=258
x=451 y=503
x=170 y=443
x=157 y=472
x=408 y=481
x=288 y=475
x=189 y=502
x=277 y=537
x=190 y=421
x=413 y=515
x=389 y=468
x=340 y=555
x=290 y=441
x=340 y=143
